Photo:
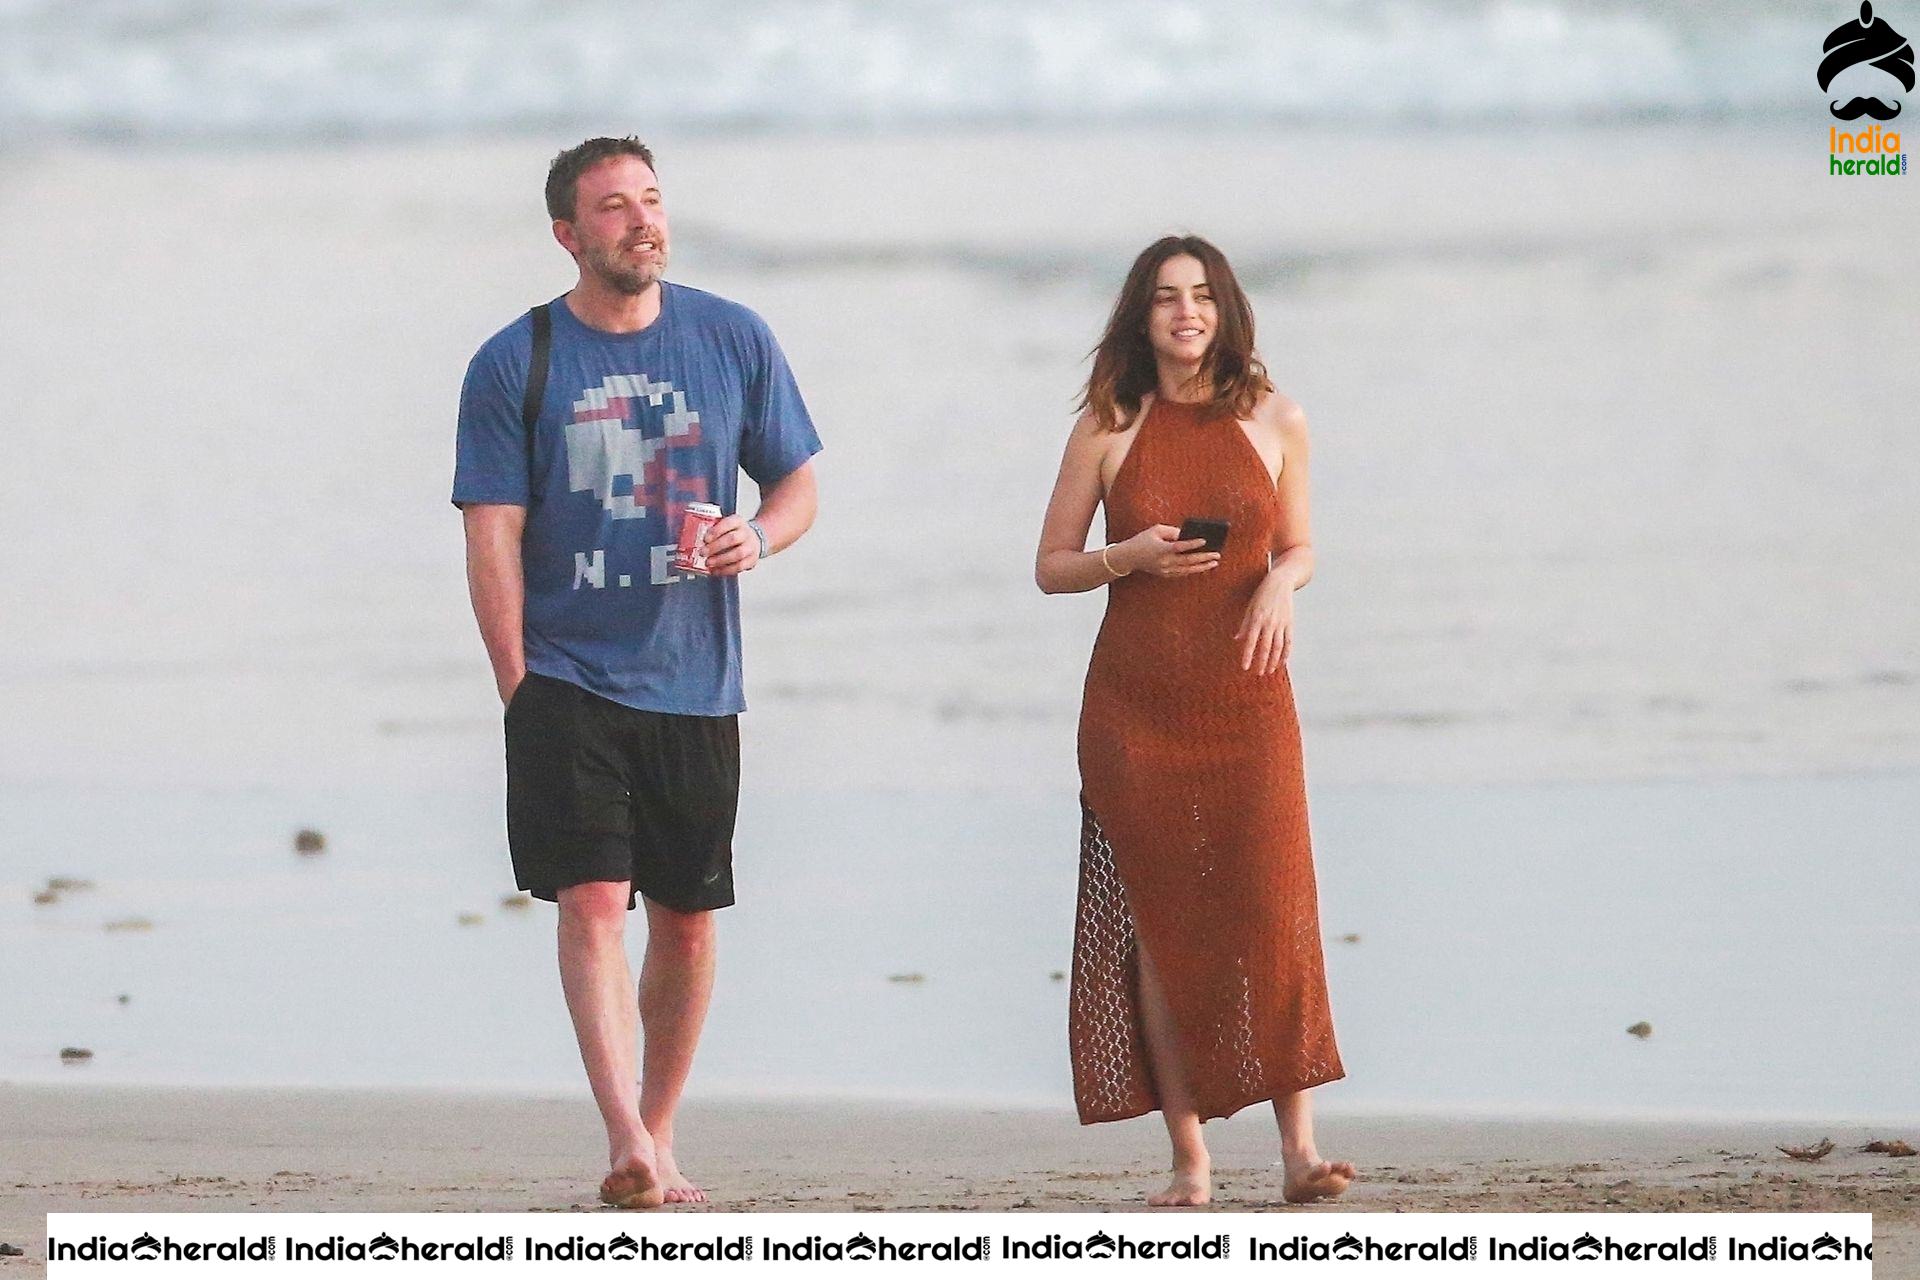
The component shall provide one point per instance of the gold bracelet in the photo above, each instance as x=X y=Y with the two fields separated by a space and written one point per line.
x=1108 y=565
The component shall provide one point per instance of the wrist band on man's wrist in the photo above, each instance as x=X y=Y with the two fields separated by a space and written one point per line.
x=761 y=534
x=1109 y=564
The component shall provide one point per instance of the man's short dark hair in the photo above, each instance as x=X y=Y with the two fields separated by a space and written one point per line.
x=563 y=175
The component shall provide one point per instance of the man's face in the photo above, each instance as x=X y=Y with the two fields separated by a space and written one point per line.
x=619 y=227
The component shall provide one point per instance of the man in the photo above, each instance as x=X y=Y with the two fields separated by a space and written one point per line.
x=621 y=673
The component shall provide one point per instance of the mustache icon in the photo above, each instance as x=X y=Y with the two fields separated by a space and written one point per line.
x=1864 y=107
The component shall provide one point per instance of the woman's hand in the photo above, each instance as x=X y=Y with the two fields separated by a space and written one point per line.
x=1159 y=550
x=1266 y=630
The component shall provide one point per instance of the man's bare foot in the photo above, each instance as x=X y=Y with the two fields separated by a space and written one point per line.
x=673 y=1182
x=1188 y=1187
x=634 y=1183
x=1310 y=1178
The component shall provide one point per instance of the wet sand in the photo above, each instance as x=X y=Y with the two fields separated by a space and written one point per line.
x=105 y=1149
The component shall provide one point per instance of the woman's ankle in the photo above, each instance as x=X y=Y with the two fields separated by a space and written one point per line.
x=1197 y=1162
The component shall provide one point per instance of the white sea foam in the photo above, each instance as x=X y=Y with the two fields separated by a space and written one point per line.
x=267 y=69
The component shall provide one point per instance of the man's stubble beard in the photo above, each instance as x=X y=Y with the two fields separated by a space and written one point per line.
x=606 y=263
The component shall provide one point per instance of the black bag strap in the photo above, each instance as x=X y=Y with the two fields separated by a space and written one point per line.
x=536 y=375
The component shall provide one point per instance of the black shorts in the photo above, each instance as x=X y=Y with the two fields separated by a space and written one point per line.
x=601 y=791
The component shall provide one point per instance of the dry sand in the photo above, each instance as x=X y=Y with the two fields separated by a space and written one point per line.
x=100 y=1149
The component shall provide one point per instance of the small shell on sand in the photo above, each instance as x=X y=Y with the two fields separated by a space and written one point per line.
x=75 y=1055
x=307 y=840
x=125 y=998
x=132 y=924
x=1898 y=1149
x=471 y=918
x=1349 y=938
x=45 y=898
x=906 y=977
x=1640 y=1030
x=516 y=902
x=67 y=884
x=1058 y=975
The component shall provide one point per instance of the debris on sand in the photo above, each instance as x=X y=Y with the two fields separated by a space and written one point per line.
x=1898 y=1149
x=132 y=924
x=57 y=885
x=11 y=1250
x=307 y=840
x=75 y=1055
x=906 y=977
x=1640 y=1030
x=516 y=902
x=1818 y=1151
x=1349 y=938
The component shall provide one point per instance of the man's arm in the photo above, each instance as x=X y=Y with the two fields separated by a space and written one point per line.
x=497 y=584
x=787 y=508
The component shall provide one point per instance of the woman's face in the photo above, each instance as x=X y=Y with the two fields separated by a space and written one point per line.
x=1180 y=326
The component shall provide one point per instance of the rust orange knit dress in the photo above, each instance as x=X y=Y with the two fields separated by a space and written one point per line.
x=1193 y=841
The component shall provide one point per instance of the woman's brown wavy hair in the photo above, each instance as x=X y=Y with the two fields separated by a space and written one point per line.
x=1124 y=369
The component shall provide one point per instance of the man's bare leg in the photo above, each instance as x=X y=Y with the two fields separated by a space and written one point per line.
x=1192 y=1182
x=599 y=989
x=1308 y=1177
x=676 y=982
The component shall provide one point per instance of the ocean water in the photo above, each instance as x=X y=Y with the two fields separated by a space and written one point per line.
x=287 y=69
x=907 y=947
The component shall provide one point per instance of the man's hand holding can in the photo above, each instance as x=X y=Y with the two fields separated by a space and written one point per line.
x=731 y=547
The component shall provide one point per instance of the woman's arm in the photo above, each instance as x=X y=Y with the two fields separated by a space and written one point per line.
x=1266 y=630
x=1292 y=543
x=1063 y=562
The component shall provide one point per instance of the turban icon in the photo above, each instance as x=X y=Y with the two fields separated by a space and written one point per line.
x=1869 y=40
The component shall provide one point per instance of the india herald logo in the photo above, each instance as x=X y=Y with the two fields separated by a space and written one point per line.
x=1870 y=41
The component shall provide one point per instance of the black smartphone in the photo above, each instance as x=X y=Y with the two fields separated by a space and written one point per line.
x=1214 y=531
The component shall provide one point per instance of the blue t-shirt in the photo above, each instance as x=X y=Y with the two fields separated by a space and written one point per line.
x=634 y=427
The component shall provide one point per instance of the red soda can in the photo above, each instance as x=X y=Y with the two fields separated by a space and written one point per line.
x=691 y=555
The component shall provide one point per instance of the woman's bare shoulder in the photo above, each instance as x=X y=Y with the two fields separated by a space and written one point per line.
x=1086 y=426
x=1281 y=414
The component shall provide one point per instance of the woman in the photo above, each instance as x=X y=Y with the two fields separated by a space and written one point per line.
x=1198 y=982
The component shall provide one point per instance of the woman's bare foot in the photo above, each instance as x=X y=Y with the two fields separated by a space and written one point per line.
x=1310 y=1178
x=1191 y=1185
x=634 y=1182
x=673 y=1182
